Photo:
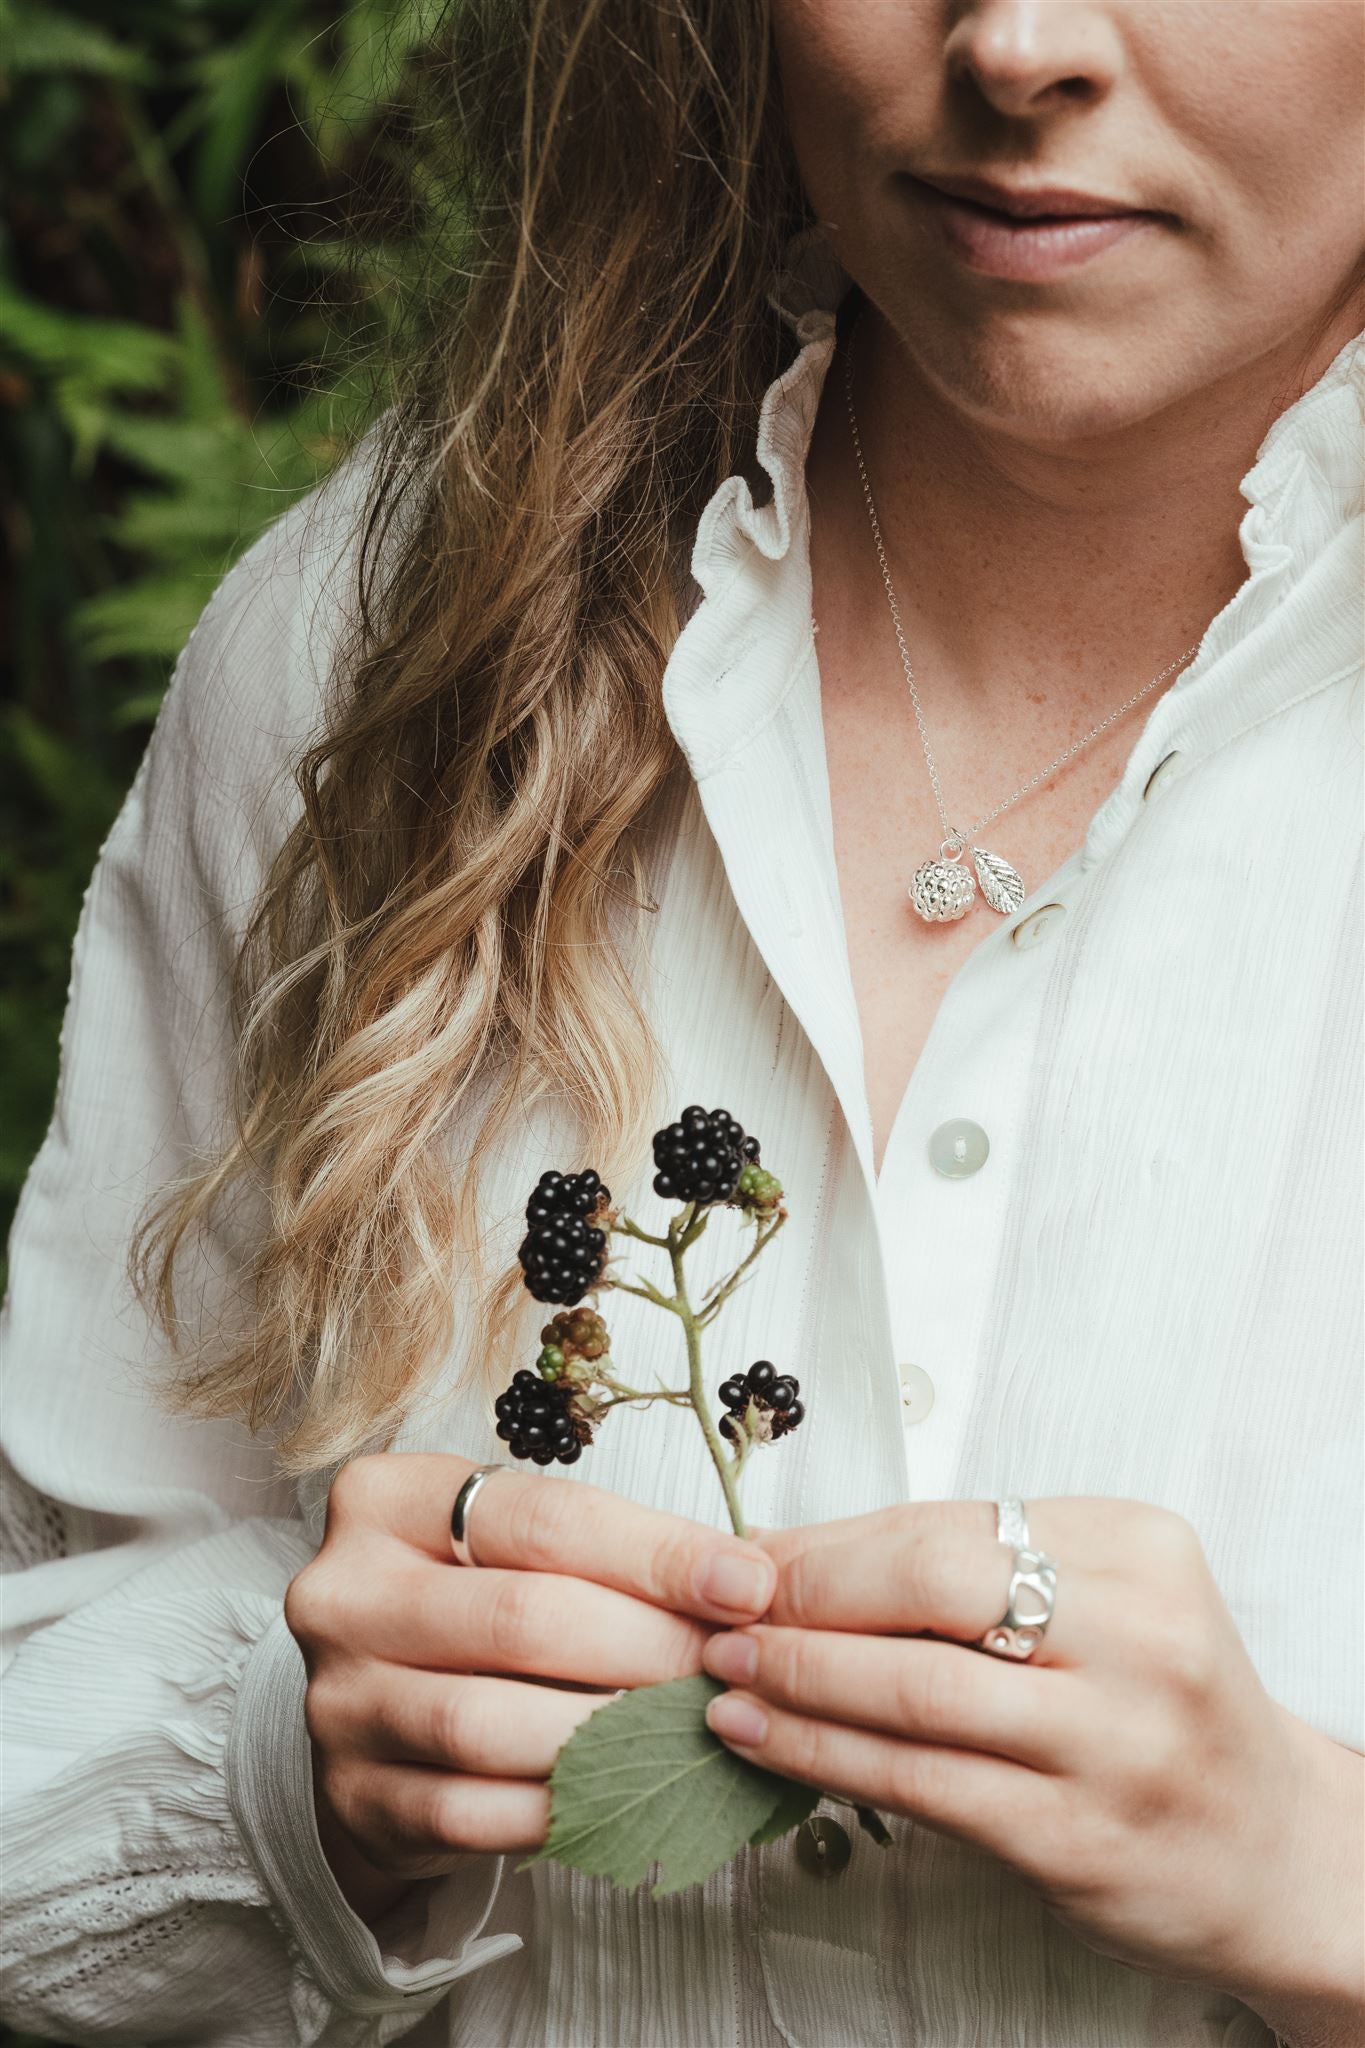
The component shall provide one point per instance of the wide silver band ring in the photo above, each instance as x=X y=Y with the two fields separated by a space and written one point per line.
x=460 y=1512
x=1032 y=1592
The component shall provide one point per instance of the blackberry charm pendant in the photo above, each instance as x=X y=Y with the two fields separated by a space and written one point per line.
x=943 y=890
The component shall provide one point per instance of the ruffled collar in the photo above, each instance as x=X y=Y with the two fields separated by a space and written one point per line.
x=1305 y=484
x=1303 y=493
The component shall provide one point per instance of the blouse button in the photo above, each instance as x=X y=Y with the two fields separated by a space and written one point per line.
x=1159 y=773
x=822 y=1846
x=1038 y=924
x=958 y=1148
x=917 y=1394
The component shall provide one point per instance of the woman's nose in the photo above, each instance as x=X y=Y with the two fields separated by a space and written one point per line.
x=1030 y=58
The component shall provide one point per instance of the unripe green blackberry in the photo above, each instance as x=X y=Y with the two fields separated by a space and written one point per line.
x=758 y=1191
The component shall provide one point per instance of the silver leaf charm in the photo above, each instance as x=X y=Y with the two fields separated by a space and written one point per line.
x=1001 y=885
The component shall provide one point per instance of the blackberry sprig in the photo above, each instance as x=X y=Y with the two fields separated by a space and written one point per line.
x=549 y=1414
x=704 y=1161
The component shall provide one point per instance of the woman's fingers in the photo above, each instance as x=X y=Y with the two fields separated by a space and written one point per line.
x=560 y=1525
x=485 y=1727
x=876 y=1527
x=418 y=1820
x=924 y=1691
x=1097 y=1533
x=929 y=1574
x=535 y=1624
x=982 y=1799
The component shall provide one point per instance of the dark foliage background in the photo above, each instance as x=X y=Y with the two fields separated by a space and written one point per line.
x=210 y=212
x=206 y=207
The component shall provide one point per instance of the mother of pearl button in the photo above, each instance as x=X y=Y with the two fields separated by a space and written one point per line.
x=917 y=1394
x=958 y=1148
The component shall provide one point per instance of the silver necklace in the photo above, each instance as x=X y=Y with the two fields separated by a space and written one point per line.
x=942 y=889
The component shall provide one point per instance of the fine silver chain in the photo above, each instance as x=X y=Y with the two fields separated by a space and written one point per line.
x=954 y=838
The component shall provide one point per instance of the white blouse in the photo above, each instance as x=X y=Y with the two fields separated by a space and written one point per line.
x=1150 y=1288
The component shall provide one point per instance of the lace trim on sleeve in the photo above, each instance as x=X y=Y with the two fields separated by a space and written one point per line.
x=127 y=1859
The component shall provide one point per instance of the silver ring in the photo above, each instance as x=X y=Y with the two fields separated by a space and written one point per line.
x=460 y=1512
x=1032 y=1593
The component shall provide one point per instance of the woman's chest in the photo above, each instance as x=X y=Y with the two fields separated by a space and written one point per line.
x=886 y=823
x=1148 y=1283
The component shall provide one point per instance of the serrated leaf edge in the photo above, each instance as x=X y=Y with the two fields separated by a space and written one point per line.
x=562 y=1849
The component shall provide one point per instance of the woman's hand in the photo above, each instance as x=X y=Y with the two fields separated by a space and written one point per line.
x=1135 y=1772
x=430 y=1738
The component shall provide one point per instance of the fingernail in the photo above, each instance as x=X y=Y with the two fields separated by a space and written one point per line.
x=731 y=1657
x=737 y=1720
x=743 y=1584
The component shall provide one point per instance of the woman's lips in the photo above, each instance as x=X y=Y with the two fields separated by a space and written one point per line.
x=1033 y=248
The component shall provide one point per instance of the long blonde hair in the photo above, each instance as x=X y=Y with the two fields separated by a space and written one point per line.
x=441 y=911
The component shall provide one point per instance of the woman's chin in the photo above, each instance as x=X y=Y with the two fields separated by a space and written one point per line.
x=1053 y=380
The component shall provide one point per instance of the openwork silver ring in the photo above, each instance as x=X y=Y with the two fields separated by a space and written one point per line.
x=460 y=1512
x=1032 y=1591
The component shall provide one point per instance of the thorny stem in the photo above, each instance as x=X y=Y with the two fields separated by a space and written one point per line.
x=682 y=1232
x=624 y=1227
x=637 y=1400
x=644 y=1291
x=722 y=1293
x=620 y=1392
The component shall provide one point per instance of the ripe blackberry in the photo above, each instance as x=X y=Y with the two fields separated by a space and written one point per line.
x=536 y=1421
x=700 y=1157
x=564 y=1252
x=774 y=1396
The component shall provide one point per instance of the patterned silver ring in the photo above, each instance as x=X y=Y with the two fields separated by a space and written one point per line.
x=460 y=1512
x=1032 y=1592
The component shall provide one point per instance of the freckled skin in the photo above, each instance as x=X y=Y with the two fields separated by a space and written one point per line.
x=1055 y=464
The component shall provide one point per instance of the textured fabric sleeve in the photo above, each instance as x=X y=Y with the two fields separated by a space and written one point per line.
x=163 y=1874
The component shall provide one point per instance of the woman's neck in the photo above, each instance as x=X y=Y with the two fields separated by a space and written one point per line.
x=1081 y=565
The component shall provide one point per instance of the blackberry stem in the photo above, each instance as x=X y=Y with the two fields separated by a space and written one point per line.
x=624 y=1226
x=683 y=1232
x=645 y=1290
x=727 y=1286
x=628 y=1394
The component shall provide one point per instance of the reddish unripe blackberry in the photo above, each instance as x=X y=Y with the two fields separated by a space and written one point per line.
x=564 y=1252
x=701 y=1157
x=535 y=1421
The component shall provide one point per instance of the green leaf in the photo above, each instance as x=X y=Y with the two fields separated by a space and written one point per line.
x=109 y=355
x=152 y=617
x=644 y=1781
x=238 y=80
x=40 y=39
x=797 y=1803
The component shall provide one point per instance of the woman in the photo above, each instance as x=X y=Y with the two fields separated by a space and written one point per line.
x=1012 y=348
